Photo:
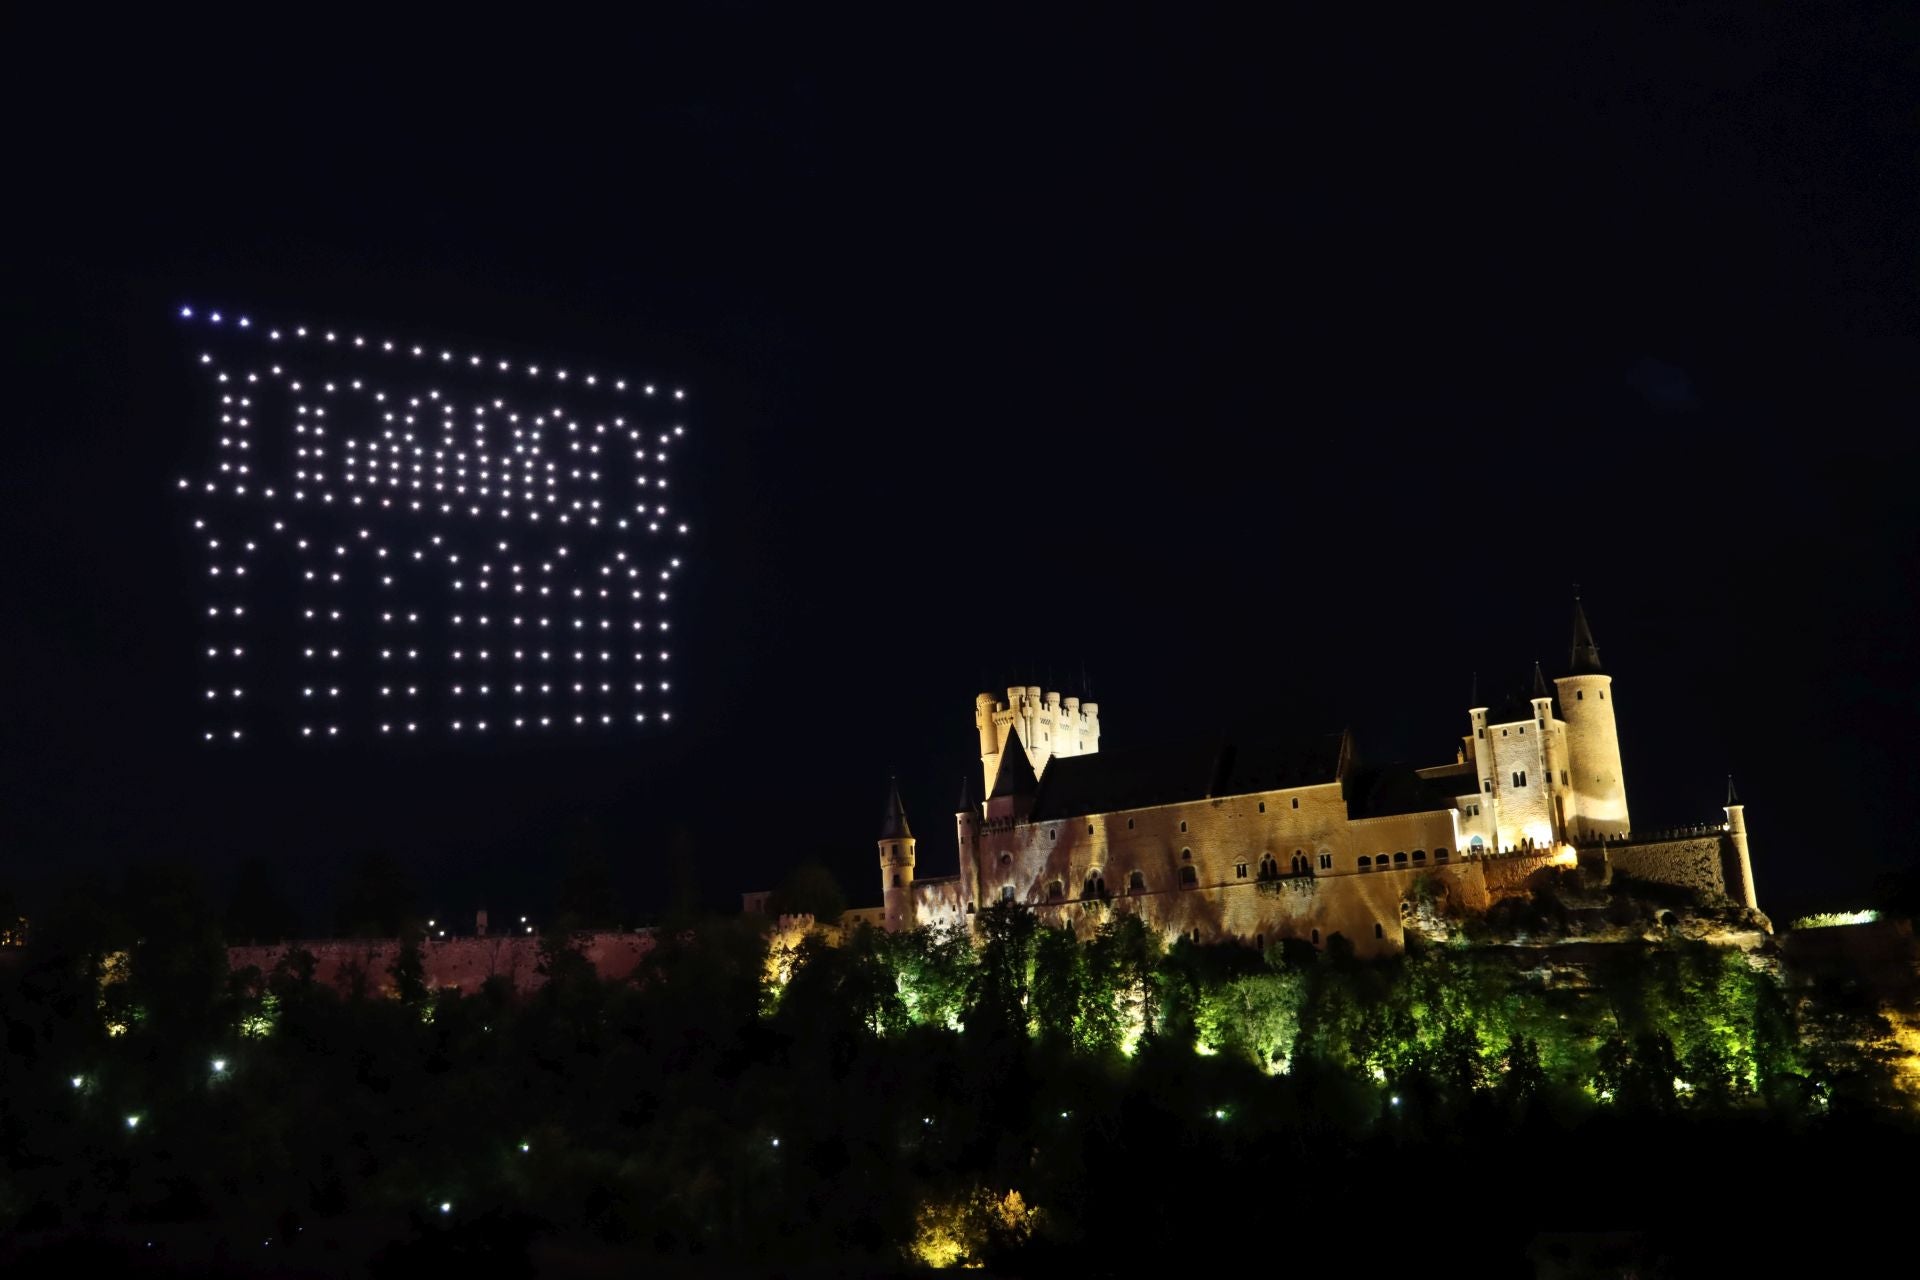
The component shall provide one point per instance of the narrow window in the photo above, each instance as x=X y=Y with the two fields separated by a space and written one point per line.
x=1563 y=777
x=1129 y=824
x=1519 y=777
x=1051 y=833
x=1378 y=932
x=1089 y=828
x=1189 y=878
x=1137 y=882
x=1316 y=937
x=1603 y=694
x=896 y=879
x=1186 y=855
x=1183 y=824
x=1296 y=802
x=1479 y=733
x=1263 y=806
x=1579 y=695
x=1240 y=870
x=1006 y=893
x=1523 y=731
x=1326 y=862
x=1487 y=786
x=1260 y=941
x=1503 y=733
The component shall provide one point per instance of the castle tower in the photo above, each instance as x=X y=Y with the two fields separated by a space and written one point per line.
x=1739 y=871
x=1047 y=724
x=896 y=863
x=1598 y=803
x=1545 y=731
x=966 y=830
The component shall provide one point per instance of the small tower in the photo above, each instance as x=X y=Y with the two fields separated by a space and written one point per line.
x=896 y=863
x=966 y=830
x=1549 y=760
x=1599 y=799
x=1739 y=870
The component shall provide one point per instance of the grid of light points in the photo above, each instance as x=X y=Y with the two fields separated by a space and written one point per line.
x=404 y=539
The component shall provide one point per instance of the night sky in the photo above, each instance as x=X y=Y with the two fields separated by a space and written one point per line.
x=1226 y=375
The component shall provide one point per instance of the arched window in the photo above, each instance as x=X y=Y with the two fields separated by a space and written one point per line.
x=1006 y=859
x=1419 y=855
x=1440 y=853
x=1399 y=857
x=1186 y=855
x=1189 y=878
x=1378 y=932
x=1055 y=891
x=1096 y=886
x=1269 y=869
x=1006 y=893
x=1183 y=824
x=1263 y=806
x=896 y=879
x=1366 y=863
x=1137 y=882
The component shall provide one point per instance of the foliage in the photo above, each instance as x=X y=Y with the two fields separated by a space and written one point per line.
x=809 y=890
x=892 y=1098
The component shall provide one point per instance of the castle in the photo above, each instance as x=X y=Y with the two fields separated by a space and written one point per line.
x=1259 y=841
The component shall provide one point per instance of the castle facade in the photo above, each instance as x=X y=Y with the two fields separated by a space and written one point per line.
x=1262 y=840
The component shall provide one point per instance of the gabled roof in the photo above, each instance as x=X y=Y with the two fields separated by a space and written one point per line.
x=894 y=825
x=1172 y=773
x=1015 y=777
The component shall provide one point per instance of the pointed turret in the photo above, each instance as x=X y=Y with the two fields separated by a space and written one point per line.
x=1015 y=777
x=969 y=795
x=1733 y=797
x=1585 y=659
x=894 y=825
x=897 y=858
x=1540 y=689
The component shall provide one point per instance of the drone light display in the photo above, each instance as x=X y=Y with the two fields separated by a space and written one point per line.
x=404 y=540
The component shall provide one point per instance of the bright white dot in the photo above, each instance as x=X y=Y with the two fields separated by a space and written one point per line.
x=133 y=1122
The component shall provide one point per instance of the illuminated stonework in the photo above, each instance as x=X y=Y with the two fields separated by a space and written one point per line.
x=1259 y=841
x=405 y=540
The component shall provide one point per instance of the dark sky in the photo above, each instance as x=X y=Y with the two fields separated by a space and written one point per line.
x=1273 y=373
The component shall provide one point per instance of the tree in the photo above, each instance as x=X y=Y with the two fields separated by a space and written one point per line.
x=259 y=910
x=587 y=897
x=808 y=890
x=379 y=899
x=409 y=970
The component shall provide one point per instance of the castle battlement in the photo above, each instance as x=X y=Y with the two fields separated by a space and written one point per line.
x=1336 y=848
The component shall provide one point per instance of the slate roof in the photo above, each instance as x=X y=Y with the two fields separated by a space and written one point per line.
x=1172 y=773
x=1585 y=659
x=1015 y=776
x=893 y=826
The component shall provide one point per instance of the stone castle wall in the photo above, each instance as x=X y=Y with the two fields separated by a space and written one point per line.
x=464 y=964
x=1695 y=862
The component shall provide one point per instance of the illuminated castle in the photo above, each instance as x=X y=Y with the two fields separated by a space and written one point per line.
x=1259 y=841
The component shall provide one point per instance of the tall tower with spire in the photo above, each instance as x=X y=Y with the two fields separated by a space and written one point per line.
x=1599 y=790
x=896 y=862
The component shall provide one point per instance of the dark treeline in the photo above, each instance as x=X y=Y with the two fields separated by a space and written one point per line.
x=801 y=1101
